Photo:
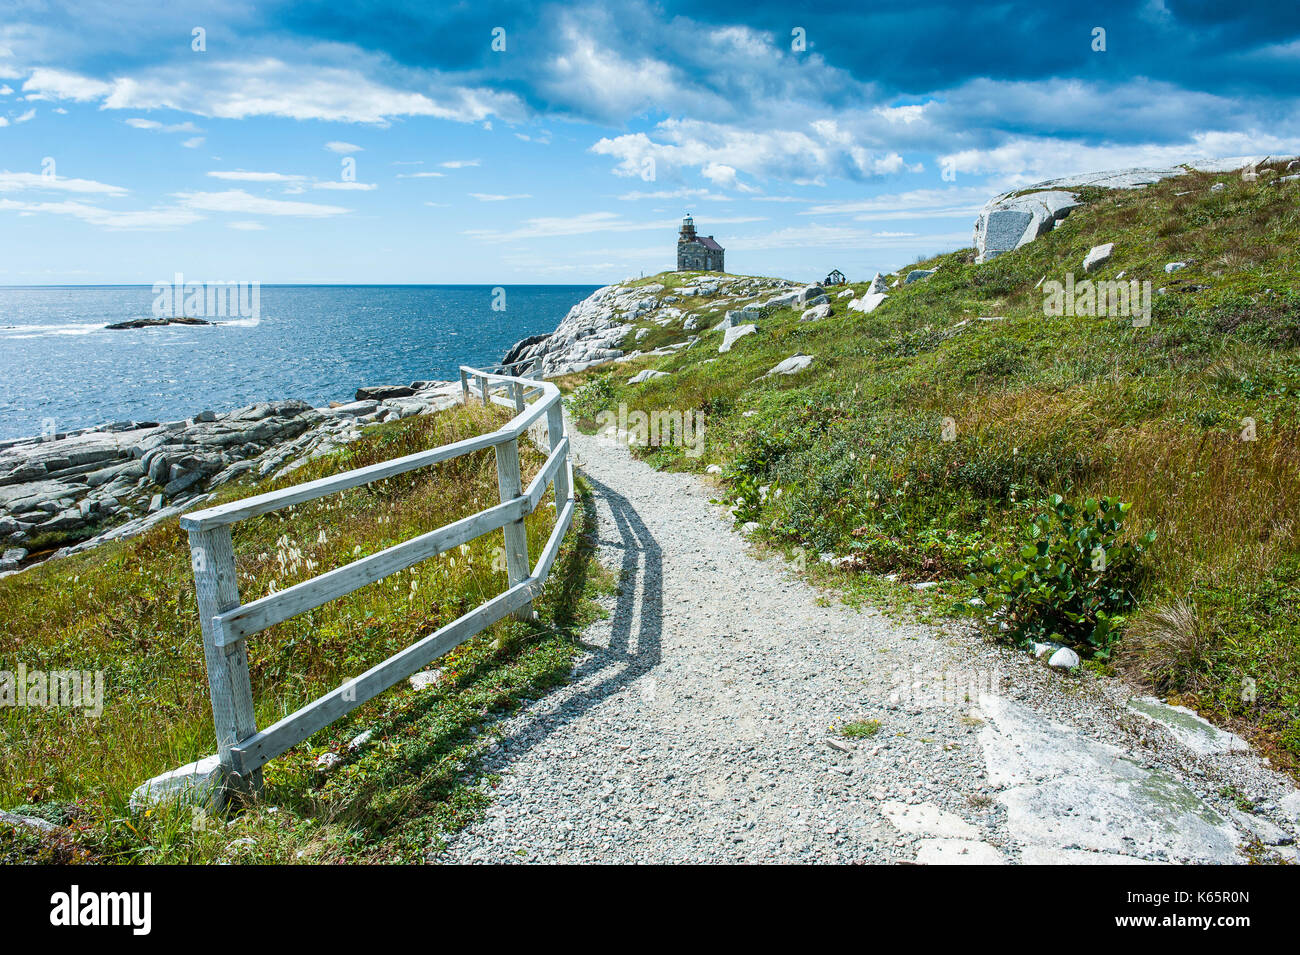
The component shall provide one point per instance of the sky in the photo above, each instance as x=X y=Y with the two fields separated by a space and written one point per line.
x=562 y=142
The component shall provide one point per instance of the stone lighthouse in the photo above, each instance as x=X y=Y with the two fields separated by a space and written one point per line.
x=697 y=253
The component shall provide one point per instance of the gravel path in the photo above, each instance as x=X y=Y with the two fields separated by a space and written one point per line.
x=700 y=727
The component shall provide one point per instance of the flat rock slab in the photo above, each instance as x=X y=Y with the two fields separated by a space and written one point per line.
x=927 y=820
x=1045 y=855
x=868 y=303
x=1188 y=727
x=732 y=335
x=792 y=365
x=1063 y=790
x=646 y=375
x=958 y=852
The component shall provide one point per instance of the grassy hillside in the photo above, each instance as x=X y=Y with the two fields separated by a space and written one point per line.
x=848 y=457
x=128 y=609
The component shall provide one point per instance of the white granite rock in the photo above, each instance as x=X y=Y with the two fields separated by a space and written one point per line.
x=1098 y=256
x=734 y=334
x=1063 y=659
x=868 y=303
x=792 y=365
x=646 y=375
x=198 y=782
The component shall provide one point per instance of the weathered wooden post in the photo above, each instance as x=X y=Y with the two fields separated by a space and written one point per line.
x=212 y=556
x=516 y=535
x=464 y=387
x=517 y=392
x=554 y=435
x=483 y=386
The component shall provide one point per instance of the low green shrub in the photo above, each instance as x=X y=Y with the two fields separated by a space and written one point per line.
x=592 y=398
x=1072 y=580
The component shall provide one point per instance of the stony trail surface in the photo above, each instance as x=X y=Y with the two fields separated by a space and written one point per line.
x=701 y=726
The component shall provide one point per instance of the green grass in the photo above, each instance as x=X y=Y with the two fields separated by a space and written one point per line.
x=860 y=729
x=128 y=609
x=852 y=456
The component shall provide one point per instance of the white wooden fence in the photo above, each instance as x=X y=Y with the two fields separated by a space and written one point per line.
x=227 y=623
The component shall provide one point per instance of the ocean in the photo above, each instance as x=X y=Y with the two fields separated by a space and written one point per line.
x=60 y=369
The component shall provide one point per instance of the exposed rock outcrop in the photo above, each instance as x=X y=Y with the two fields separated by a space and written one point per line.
x=594 y=330
x=1009 y=221
x=1016 y=218
x=116 y=480
x=156 y=323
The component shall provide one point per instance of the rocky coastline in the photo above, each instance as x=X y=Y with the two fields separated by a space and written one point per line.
x=593 y=331
x=67 y=492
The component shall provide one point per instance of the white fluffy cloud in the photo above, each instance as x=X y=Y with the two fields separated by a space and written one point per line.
x=241 y=202
x=346 y=186
x=160 y=218
x=589 y=222
x=271 y=87
x=241 y=175
x=15 y=181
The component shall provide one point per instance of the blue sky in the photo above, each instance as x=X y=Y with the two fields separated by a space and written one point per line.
x=389 y=142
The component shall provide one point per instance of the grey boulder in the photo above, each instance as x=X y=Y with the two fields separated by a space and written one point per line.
x=1098 y=256
x=1009 y=221
x=792 y=365
x=734 y=334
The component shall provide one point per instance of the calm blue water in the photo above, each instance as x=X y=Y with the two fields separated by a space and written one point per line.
x=316 y=343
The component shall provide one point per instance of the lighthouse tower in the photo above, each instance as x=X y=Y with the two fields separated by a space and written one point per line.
x=697 y=253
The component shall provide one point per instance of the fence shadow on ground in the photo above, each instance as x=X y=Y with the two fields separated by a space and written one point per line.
x=636 y=635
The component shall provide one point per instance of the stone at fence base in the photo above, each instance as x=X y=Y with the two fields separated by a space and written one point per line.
x=197 y=782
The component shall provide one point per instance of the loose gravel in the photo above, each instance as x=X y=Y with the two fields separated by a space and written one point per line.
x=703 y=723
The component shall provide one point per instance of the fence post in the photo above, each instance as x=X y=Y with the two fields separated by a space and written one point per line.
x=516 y=535
x=483 y=386
x=554 y=435
x=212 y=558
x=464 y=387
x=517 y=392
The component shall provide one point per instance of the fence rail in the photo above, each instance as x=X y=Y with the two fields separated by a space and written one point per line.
x=242 y=748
